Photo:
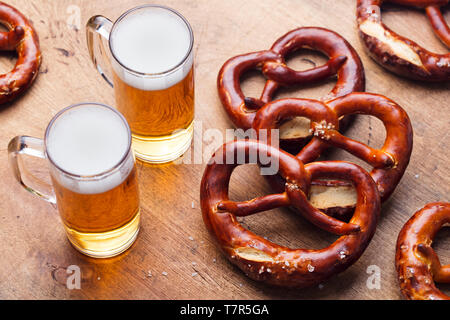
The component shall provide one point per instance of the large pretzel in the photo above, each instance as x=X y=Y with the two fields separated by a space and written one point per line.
x=22 y=38
x=417 y=264
x=401 y=55
x=389 y=163
x=344 y=61
x=263 y=260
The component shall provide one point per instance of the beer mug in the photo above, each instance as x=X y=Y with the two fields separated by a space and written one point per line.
x=147 y=57
x=93 y=176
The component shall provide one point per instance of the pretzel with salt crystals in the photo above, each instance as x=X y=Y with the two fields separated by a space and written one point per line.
x=22 y=38
x=417 y=264
x=401 y=55
x=389 y=162
x=344 y=62
x=265 y=261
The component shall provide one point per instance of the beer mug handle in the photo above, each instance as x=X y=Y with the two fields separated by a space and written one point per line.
x=23 y=145
x=98 y=29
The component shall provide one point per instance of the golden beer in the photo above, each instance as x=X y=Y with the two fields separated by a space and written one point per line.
x=103 y=223
x=93 y=174
x=97 y=213
x=161 y=121
x=151 y=49
x=157 y=113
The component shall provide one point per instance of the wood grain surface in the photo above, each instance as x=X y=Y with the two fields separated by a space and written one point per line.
x=34 y=252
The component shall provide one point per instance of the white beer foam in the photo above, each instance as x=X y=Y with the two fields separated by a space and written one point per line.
x=151 y=40
x=89 y=140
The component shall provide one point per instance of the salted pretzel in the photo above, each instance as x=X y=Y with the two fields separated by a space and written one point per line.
x=401 y=55
x=266 y=261
x=344 y=62
x=22 y=38
x=417 y=264
x=389 y=163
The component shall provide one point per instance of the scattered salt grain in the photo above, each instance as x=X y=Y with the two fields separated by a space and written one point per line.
x=194 y=274
x=310 y=268
x=164 y=273
x=191 y=238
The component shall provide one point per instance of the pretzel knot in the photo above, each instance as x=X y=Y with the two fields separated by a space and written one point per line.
x=417 y=264
x=389 y=163
x=344 y=62
x=401 y=55
x=22 y=38
x=263 y=260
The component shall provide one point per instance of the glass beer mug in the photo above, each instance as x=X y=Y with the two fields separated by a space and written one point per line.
x=93 y=173
x=149 y=58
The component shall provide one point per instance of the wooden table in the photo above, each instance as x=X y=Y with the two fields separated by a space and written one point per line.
x=34 y=251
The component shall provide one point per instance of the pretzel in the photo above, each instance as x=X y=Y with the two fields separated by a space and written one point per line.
x=344 y=61
x=417 y=264
x=22 y=38
x=389 y=162
x=265 y=261
x=401 y=55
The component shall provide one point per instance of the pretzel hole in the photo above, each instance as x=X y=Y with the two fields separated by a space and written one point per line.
x=304 y=59
x=252 y=254
x=4 y=28
x=8 y=61
x=407 y=20
x=254 y=184
x=8 y=58
x=252 y=84
x=365 y=128
x=369 y=130
x=337 y=200
x=287 y=228
x=441 y=245
x=295 y=128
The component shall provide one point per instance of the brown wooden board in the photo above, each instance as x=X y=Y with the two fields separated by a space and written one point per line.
x=34 y=251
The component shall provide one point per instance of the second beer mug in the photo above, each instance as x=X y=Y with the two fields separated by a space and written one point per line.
x=150 y=51
x=93 y=174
